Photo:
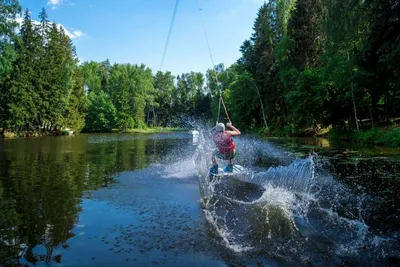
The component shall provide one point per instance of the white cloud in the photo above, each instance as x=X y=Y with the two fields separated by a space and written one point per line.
x=72 y=33
x=19 y=20
x=54 y=3
x=259 y=2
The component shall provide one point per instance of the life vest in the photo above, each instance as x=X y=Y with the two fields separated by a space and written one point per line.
x=224 y=143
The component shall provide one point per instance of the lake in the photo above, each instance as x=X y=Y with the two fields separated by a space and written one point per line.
x=136 y=200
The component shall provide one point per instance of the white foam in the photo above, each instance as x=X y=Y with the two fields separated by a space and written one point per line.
x=180 y=170
x=291 y=190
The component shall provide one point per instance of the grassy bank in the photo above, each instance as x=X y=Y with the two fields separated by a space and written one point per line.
x=383 y=135
x=291 y=131
x=10 y=135
x=377 y=136
x=151 y=130
x=27 y=134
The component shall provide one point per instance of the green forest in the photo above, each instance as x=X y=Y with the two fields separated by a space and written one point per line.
x=309 y=64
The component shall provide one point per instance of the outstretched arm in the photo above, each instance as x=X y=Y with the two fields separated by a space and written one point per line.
x=234 y=131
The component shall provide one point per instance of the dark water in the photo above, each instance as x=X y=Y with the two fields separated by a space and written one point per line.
x=134 y=200
x=366 y=170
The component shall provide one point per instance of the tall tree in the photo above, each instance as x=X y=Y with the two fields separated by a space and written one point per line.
x=42 y=68
x=244 y=97
x=9 y=10
x=284 y=10
x=93 y=73
x=142 y=92
x=190 y=93
x=120 y=88
x=74 y=115
x=268 y=30
x=306 y=32
x=131 y=89
x=60 y=59
x=101 y=113
x=164 y=89
x=22 y=98
x=105 y=70
x=344 y=36
x=44 y=23
x=381 y=58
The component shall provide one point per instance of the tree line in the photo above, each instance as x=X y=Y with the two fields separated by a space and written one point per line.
x=318 y=62
x=41 y=87
x=44 y=88
x=126 y=96
x=308 y=63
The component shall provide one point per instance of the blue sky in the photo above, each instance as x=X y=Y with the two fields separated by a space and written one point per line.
x=135 y=31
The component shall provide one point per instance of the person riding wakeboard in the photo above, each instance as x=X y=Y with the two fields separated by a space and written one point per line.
x=226 y=147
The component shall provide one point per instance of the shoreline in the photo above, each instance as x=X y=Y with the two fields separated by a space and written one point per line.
x=36 y=134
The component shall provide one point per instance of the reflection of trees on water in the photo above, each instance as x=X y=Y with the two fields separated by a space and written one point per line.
x=365 y=169
x=9 y=220
x=45 y=194
x=41 y=184
x=376 y=177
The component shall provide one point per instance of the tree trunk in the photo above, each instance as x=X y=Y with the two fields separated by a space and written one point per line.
x=285 y=108
x=148 y=117
x=354 y=107
x=387 y=106
x=372 y=118
x=374 y=101
x=154 y=117
x=27 y=126
x=392 y=110
x=262 y=107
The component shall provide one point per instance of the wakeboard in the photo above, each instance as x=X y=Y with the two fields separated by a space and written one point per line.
x=224 y=172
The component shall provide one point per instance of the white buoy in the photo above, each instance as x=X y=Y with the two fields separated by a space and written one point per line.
x=70 y=132
x=195 y=135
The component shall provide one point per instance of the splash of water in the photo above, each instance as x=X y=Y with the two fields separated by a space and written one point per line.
x=270 y=214
x=291 y=209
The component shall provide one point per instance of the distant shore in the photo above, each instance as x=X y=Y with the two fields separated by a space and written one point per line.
x=25 y=134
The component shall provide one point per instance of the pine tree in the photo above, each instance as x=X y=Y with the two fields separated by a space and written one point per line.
x=269 y=88
x=381 y=58
x=20 y=88
x=344 y=36
x=44 y=24
x=284 y=10
x=61 y=62
x=306 y=32
x=42 y=68
x=8 y=13
x=265 y=38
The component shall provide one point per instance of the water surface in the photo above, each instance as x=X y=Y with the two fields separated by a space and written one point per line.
x=135 y=200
